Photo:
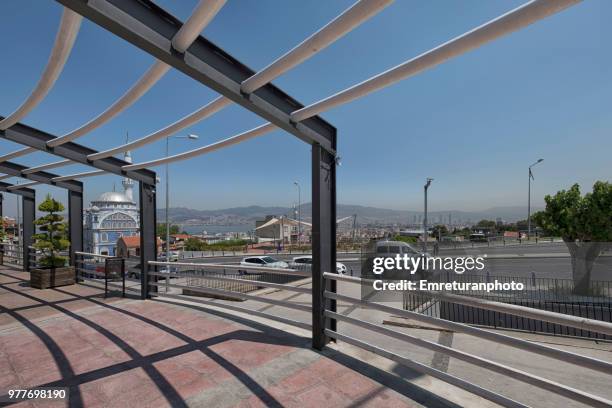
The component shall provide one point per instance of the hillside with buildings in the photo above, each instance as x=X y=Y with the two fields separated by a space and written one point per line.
x=366 y=215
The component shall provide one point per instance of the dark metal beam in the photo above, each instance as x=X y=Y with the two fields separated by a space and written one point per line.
x=44 y=177
x=149 y=27
x=323 y=242
x=1 y=227
x=148 y=235
x=24 y=191
x=75 y=224
x=28 y=209
x=29 y=136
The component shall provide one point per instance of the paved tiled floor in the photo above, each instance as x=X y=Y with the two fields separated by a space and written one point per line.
x=132 y=353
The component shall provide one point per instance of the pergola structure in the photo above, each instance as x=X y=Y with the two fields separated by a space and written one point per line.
x=180 y=46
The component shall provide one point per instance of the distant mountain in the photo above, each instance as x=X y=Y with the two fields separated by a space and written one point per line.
x=365 y=215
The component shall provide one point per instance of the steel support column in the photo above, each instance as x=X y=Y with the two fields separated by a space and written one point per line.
x=148 y=235
x=75 y=224
x=28 y=209
x=323 y=241
x=1 y=227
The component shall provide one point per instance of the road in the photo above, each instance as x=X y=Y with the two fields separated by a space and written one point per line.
x=545 y=260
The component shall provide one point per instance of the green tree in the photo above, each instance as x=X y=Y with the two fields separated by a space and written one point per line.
x=161 y=230
x=463 y=232
x=584 y=223
x=52 y=237
x=410 y=240
x=2 y=230
x=439 y=230
x=194 y=244
x=486 y=224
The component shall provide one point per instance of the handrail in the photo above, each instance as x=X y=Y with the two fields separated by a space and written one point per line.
x=235 y=267
x=566 y=356
x=580 y=323
x=239 y=309
x=519 y=375
x=425 y=369
x=238 y=280
x=93 y=255
x=230 y=293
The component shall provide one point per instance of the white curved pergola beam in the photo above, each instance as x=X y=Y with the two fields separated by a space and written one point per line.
x=146 y=81
x=47 y=166
x=57 y=179
x=202 y=15
x=79 y=175
x=351 y=18
x=64 y=40
x=249 y=134
x=18 y=186
x=512 y=21
x=17 y=153
x=191 y=119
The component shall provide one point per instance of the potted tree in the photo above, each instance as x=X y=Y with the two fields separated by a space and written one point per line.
x=51 y=240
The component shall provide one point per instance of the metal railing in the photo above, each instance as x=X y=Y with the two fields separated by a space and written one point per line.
x=12 y=254
x=91 y=268
x=198 y=281
x=35 y=256
x=551 y=294
x=531 y=379
x=213 y=284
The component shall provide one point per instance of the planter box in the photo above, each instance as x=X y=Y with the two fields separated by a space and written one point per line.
x=51 y=278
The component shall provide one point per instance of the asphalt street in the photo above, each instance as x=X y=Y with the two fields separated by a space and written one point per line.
x=545 y=260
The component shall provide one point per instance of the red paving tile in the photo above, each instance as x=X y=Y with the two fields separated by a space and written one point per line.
x=249 y=354
x=322 y=396
x=352 y=384
x=122 y=360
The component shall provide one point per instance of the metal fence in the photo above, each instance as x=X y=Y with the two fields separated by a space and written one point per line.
x=204 y=282
x=570 y=392
x=11 y=254
x=554 y=295
x=91 y=267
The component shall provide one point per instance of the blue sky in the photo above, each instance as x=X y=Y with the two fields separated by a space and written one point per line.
x=474 y=123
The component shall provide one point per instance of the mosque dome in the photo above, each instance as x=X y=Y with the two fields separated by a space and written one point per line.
x=113 y=197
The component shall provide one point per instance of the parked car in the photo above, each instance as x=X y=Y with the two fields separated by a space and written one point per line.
x=304 y=263
x=262 y=261
x=174 y=256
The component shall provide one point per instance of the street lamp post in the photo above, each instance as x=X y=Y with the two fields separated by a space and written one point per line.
x=190 y=137
x=425 y=188
x=299 y=211
x=529 y=199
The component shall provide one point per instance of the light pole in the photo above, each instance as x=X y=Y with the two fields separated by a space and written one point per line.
x=425 y=188
x=529 y=200
x=190 y=137
x=299 y=211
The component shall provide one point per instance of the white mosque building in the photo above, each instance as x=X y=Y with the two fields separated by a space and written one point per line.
x=111 y=216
